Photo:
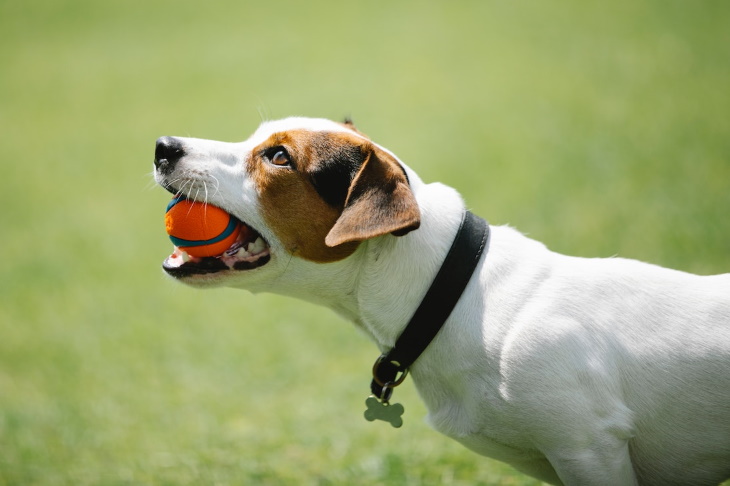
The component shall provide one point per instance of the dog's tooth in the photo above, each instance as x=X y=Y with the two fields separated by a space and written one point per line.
x=233 y=250
x=258 y=246
x=185 y=256
x=242 y=253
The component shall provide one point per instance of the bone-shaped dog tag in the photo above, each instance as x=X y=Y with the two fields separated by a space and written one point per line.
x=378 y=410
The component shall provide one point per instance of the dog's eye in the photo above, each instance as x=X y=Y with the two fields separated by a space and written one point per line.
x=278 y=156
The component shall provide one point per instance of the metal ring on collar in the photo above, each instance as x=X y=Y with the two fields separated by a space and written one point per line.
x=390 y=383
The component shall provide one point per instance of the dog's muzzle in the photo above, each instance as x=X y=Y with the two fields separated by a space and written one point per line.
x=248 y=252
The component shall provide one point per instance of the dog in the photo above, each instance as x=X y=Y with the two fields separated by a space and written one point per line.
x=575 y=371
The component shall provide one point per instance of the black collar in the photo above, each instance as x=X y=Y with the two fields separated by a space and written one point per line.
x=440 y=300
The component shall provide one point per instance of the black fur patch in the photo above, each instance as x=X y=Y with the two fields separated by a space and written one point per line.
x=337 y=167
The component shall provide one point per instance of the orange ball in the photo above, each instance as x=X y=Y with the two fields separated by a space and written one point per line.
x=200 y=229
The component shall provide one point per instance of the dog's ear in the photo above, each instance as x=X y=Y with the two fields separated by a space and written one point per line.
x=379 y=201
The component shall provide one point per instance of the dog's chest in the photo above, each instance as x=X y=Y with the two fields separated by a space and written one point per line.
x=484 y=423
x=464 y=396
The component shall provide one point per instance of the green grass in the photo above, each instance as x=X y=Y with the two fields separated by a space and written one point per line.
x=598 y=128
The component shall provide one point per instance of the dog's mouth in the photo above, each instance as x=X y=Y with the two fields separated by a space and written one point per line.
x=248 y=252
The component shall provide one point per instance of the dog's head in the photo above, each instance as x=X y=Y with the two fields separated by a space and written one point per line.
x=304 y=188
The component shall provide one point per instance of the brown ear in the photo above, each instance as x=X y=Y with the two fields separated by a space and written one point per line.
x=379 y=201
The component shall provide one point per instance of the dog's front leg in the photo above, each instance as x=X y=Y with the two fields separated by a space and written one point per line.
x=607 y=464
x=537 y=468
x=565 y=386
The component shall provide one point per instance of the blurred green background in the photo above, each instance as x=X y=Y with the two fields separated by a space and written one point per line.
x=599 y=128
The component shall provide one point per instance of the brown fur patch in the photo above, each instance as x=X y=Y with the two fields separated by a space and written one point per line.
x=291 y=206
x=379 y=202
x=339 y=190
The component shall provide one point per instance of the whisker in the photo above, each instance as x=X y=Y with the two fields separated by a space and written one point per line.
x=263 y=111
x=217 y=192
x=151 y=184
x=205 y=201
x=217 y=186
x=183 y=188
x=288 y=262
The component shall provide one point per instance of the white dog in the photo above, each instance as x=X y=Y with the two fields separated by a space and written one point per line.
x=575 y=371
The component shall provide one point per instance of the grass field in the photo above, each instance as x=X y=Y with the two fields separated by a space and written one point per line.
x=600 y=128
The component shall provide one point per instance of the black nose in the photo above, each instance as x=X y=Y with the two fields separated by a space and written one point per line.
x=168 y=151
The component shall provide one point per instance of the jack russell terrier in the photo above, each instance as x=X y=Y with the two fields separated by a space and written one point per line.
x=576 y=371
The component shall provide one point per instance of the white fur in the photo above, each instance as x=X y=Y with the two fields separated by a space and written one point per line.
x=576 y=371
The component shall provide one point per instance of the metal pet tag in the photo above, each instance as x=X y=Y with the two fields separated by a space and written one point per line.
x=384 y=411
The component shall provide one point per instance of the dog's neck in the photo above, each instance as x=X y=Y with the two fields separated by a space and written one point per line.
x=397 y=272
x=380 y=286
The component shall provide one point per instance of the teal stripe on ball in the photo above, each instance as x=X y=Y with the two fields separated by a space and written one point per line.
x=232 y=225
x=174 y=201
